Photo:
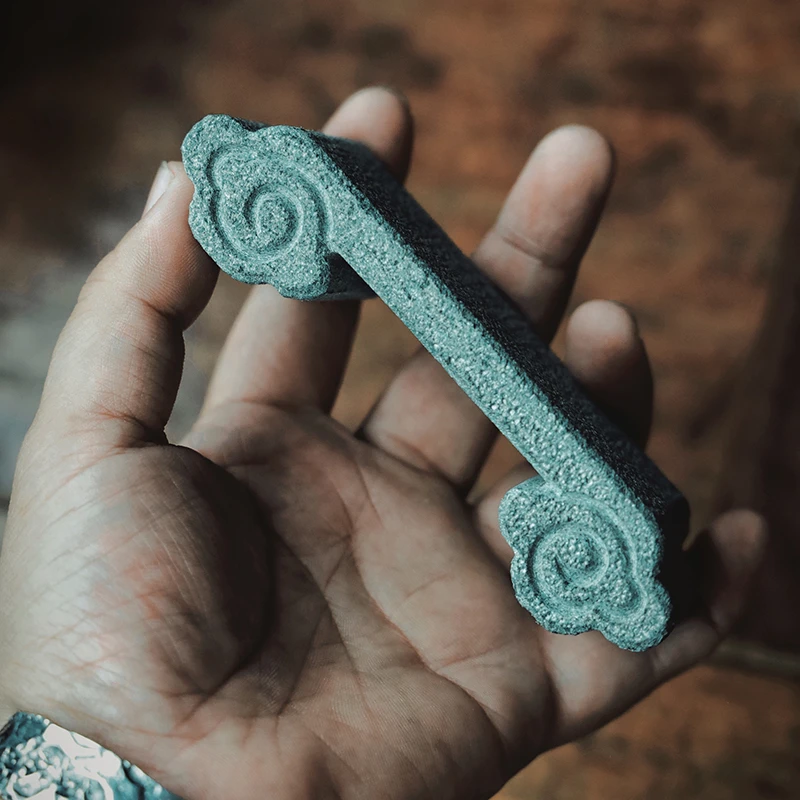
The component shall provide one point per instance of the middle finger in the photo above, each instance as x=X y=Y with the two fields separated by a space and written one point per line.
x=532 y=252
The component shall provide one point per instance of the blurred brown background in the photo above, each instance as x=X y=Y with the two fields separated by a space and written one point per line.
x=702 y=100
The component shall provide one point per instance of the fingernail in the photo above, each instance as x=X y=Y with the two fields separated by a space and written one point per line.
x=398 y=93
x=383 y=87
x=632 y=314
x=163 y=178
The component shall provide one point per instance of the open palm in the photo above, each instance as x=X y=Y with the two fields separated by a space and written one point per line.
x=280 y=607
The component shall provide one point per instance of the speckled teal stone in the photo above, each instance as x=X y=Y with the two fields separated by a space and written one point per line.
x=597 y=534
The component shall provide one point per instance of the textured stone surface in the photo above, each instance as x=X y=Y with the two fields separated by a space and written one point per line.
x=321 y=218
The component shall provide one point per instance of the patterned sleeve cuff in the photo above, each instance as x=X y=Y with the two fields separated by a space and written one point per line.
x=41 y=761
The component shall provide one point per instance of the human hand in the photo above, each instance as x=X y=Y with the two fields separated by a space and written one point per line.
x=276 y=607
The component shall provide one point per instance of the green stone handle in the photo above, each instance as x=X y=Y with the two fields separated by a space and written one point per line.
x=597 y=534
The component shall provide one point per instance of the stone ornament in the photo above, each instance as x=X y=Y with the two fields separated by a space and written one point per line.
x=597 y=534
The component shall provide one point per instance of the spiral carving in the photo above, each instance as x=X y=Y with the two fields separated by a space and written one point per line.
x=261 y=207
x=269 y=215
x=260 y=215
x=576 y=568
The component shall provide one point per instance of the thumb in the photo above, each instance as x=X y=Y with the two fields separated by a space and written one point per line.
x=117 y=365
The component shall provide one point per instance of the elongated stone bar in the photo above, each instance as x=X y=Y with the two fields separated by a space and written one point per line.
x=597 y=534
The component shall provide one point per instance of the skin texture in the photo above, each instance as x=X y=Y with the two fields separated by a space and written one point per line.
x=280 y=607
